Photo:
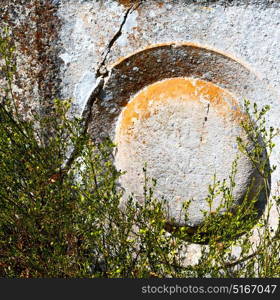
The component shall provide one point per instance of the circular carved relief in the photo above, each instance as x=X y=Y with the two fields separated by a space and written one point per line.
x=177 y=107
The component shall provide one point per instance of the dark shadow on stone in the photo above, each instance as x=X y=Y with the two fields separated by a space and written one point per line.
x=259 y=208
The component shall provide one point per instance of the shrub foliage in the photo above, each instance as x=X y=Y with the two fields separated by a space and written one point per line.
x=58 y=221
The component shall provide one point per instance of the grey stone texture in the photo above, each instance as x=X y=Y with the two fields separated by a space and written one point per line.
x=34 y=28
x=238 y=50
x=185 y=141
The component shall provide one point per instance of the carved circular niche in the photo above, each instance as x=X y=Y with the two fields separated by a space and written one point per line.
x=177 y=108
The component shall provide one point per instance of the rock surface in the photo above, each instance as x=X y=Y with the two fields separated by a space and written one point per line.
x=105 y=31
x=185 y=130
x=237 y=49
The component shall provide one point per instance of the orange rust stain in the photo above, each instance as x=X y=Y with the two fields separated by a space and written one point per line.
x=127 y=2
x=177 y=89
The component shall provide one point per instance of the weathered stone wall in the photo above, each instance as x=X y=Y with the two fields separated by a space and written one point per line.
x=34 y=28
x=98 y=39
x=101 y=53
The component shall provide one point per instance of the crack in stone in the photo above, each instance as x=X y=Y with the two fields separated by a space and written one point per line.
x=101 y=74
x=86 y=117
x=102 y=69
x=207 y=112
x=205 y=119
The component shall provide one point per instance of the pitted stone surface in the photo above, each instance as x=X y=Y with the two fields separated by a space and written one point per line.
x=186 y=83
x=185 y=130
x=248 y=30
x=158 y=62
